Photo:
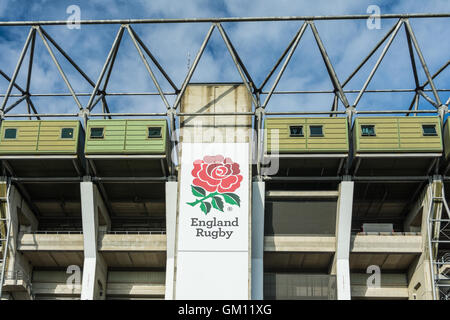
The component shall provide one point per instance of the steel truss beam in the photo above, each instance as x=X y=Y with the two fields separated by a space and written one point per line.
x=99 y=93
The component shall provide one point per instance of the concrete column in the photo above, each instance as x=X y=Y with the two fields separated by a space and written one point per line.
x=343 y=236
x=18 y=268
x=95 y=270
x=171 y=221
x=257 y=247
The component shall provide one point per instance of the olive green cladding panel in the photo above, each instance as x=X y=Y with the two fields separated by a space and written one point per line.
x=334 y=138
x=113 y=139
x=39 y=137
x=447 y=140
x=398 y=134
x=126 y=137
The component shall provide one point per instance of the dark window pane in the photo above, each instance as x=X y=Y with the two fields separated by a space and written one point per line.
x=67 y=133
x=368 y=130
x=97 y=133
x=316 y=131
x=154 y=132
x=296 y=131
x=10 y=133
x=429 y=130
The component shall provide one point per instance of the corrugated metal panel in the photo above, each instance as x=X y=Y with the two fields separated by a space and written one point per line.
x=114 y=136
x=50 y=137
x=39 y=137
x=334 y=139
x=397 y=134
x=137 y=140
x=447 y=140
x=126 y=137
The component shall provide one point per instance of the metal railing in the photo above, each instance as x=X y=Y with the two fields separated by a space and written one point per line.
x=135 y=232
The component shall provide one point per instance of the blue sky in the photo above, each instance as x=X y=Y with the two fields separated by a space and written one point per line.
x=259 y=45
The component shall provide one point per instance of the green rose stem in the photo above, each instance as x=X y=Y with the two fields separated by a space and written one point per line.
x=202 y=199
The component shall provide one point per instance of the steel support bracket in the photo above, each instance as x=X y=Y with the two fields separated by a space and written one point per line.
x=84 y=113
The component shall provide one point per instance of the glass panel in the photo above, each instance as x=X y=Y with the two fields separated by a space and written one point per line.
x=296 y=131
x=97 y=133
x=368 y=130
x=429 y=130
x=10 y=133
x=316 y=131
x=67 y=133
x=154 y=132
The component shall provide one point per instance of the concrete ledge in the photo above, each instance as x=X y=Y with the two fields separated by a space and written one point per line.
x=107 y=242
x=391 y=286
x=50 y=242
x=135 y=289
x=44 y=288
x=386 y=244
x=381 y=293
x=299 y=243
x=133 y=242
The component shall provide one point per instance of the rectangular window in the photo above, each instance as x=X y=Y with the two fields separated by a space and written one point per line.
x=429 y=130
x=10 y=133
x=368 y=130
x=316 y=131
x=154 y=132
x=96 y=133
x=296 y=131
x=67 y=133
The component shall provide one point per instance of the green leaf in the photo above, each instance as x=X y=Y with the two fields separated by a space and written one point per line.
x=206 y=207
x=231 y=198
x=217 y=203
x=198 y=191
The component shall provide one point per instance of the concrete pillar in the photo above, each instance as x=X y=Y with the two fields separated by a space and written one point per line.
x=257 y=247
x=343 y=236
x=95 y=270
x=18 y=268
x=171 y=221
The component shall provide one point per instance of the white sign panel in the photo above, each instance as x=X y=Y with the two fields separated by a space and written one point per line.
x=213 y=225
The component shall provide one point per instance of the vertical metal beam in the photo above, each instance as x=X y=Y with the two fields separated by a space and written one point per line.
x=236 y=62
x=286 y=62
x=194 y=66
x=33 y=108
x=16 y=70
x=112 y=62
x=102 y=73
x=149 y=69
x=413 y=61
x=61 y=72
x=422 y=61
x=334 y=79
x=30 y=63
x=377 y=64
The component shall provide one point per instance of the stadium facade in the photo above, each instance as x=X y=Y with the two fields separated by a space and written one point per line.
x=218 y=198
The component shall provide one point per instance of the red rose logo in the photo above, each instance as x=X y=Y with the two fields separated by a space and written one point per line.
x=218 y=175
